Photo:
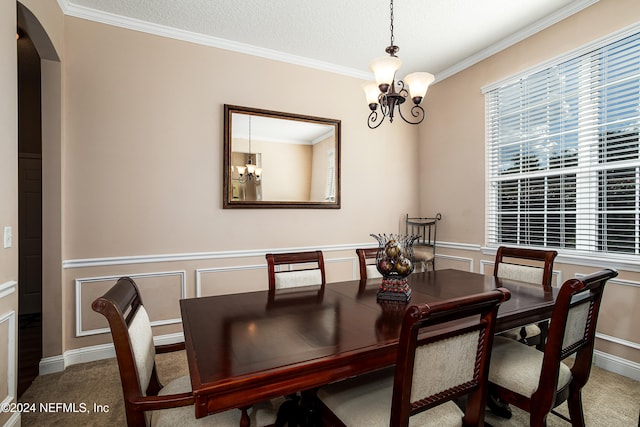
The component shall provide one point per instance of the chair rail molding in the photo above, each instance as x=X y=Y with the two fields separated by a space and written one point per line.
x=195 y=256
x=7 y=288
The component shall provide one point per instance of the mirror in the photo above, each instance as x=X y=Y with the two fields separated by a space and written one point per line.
x=280 y=160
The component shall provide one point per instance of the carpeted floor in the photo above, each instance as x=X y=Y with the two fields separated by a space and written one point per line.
x=609 y=400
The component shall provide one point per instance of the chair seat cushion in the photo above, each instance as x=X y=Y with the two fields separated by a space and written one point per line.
x=423 y=253
x=366 y=401
x=517 y=367
x=531 y=331
x=260 y=414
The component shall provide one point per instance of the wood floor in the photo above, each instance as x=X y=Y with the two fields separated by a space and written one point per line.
x=29 y=349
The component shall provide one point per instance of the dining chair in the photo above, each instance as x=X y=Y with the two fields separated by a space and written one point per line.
x=426 y=379
x=532 y=266
x=295 y=271
x=147 y=402
x=424 y=249
x=538 y=381
x=367 y=263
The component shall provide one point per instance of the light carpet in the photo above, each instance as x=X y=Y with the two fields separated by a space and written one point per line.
x=608 y=399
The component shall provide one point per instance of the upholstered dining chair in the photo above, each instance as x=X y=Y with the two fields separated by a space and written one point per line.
x=538 y=381
x=295 y=271
x=532 y=266
x=367 y=263
x=426 y=378
x=147 y=402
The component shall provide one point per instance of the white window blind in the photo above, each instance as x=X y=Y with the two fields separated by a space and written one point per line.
x=563 y=155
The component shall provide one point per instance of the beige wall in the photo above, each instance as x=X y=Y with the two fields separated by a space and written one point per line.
x=452 y=152
x=9 y=204
x=143 y=165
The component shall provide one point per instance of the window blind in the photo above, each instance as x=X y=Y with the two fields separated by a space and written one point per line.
x=563 y=158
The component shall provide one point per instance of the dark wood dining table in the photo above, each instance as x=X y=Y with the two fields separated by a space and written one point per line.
x=250 y=347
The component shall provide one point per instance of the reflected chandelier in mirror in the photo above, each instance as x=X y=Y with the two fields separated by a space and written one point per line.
x=280 y=160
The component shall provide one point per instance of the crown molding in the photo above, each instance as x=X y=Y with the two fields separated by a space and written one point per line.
x=517 y=37
x=70 y=9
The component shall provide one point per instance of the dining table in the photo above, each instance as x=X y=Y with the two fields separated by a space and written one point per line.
x=246 y=348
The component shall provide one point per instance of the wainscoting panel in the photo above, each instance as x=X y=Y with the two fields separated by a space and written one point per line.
x=200 y=274
x=163 y=310
x=232 y=279
x=443 y=262
x=253 y=277
x=8 y=366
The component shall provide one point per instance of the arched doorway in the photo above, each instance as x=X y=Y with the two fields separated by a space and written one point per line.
x=39 y=126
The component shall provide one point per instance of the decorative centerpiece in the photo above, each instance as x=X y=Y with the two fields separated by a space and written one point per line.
x=394 y=261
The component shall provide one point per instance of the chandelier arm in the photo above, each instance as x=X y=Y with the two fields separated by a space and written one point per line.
x=403 y=89
x=416 y=111
x=383 y=101
x=373 y=117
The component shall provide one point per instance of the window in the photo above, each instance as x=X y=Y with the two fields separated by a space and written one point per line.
x=563 y=153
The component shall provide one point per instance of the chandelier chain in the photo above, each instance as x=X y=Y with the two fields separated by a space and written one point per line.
x=391 y=26
x=249 y=138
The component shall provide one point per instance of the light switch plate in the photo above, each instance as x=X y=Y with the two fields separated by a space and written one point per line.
x=8 y=237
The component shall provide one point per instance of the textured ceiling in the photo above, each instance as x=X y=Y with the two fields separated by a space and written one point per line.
x=439 y=36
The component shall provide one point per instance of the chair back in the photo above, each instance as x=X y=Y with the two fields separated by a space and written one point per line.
x=435 y=367
x=133 y=342
x=367 y=263
x=537 y=267
x=305 y=269
x=572 y=331
x=424 y=248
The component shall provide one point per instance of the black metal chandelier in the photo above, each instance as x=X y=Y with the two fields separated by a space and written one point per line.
x=389 y=94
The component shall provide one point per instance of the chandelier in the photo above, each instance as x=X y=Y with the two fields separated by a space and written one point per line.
x=249 y=171
x=389 y=94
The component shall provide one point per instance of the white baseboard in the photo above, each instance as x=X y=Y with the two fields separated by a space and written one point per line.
x=617 y=365
x=14 y=420
x=50 y=365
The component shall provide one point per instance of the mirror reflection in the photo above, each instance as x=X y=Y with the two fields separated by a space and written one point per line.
x=275 y=159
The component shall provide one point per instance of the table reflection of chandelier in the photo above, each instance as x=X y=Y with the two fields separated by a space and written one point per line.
x=249 y=171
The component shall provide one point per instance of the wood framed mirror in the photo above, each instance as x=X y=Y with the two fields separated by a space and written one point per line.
x=280 y=160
